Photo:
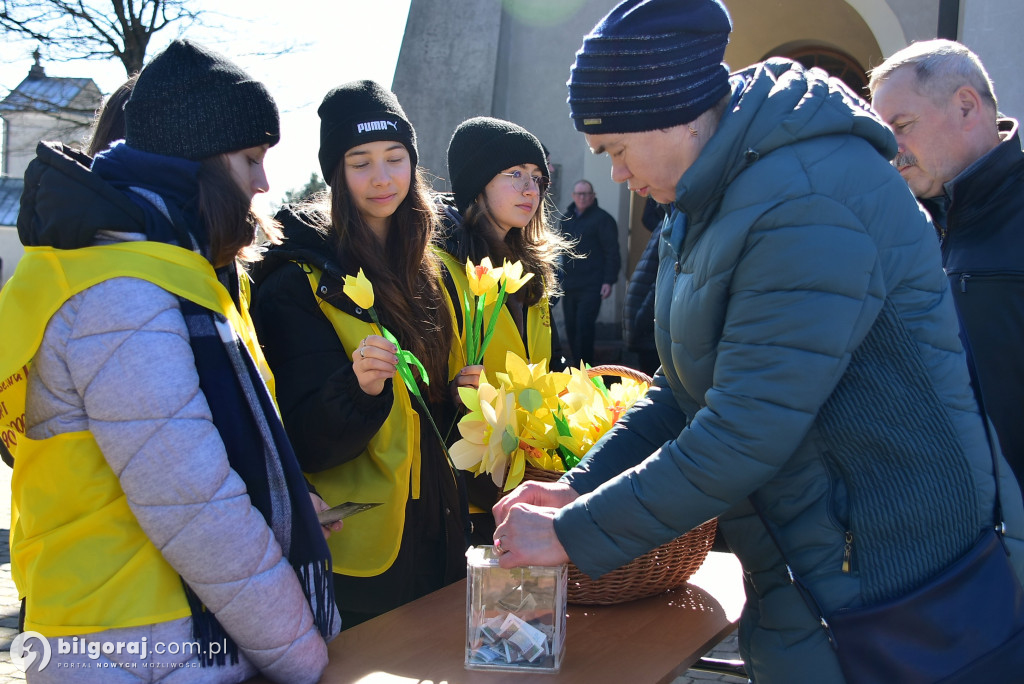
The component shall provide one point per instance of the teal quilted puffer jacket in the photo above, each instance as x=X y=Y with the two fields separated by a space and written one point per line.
x=811 y=363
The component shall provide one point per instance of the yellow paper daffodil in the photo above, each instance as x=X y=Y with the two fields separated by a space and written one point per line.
x=359 y=289
x=623 y=395
x=520 y=376
x=513 y=275
x=483 y=278
x=485 y=431
x=531 y=416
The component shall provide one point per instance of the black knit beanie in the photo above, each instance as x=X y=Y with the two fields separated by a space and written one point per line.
x=360 y=112
x=481 y=148
x=650 y=64
x=193 y=103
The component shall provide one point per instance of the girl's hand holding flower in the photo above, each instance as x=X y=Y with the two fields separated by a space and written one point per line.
x=469 y=376
x=374 y=361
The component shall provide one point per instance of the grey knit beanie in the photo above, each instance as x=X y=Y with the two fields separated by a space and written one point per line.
x=650 y=64
x=193 y=103
x=481 y=148
x=357 y=113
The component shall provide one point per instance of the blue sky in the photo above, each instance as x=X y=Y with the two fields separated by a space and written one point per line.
x=333 y=42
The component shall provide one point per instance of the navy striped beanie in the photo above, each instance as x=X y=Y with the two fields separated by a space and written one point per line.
x=650 y=64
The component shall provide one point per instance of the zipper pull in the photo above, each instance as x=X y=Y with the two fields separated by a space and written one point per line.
x=964 y=277
x=847 y=551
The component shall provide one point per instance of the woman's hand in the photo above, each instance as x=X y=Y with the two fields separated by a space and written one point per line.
x=321 y=505
x=469 y=376
x=546 y=494
x=527 y=537
x=374 y=361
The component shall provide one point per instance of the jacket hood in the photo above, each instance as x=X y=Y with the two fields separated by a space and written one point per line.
x=775 y=104
x=451 y=222
x=64 y=204
x=307 y=238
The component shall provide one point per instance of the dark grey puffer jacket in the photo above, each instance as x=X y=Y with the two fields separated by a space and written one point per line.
x=810 y=362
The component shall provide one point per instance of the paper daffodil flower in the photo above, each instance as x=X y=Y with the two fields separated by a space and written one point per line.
x=513 y=275
x=488 y=432
x=483 y=277
x=359 y=289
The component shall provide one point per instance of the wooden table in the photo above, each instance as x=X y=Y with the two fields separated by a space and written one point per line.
x=650 y=640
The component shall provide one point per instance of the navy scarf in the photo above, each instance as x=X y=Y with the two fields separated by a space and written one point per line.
x=259 y=451
x=175 y=180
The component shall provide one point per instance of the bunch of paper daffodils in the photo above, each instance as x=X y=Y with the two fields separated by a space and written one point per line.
x=528 y=415
x=490 y=286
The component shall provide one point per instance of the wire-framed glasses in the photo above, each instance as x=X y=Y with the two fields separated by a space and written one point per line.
x=521 y=181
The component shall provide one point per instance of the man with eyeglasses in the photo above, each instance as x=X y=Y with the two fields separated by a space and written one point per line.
x=589 y=279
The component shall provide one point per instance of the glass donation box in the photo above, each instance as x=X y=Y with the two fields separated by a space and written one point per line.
x=515 y=617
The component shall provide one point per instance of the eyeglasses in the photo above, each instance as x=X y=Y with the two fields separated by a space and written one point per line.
x=522 y=181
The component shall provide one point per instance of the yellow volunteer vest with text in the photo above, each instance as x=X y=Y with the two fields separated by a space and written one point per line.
x=78 y=555
x=387 y=472
x=506 y=335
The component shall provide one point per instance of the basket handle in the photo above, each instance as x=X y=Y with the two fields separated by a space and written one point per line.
x=620 y=371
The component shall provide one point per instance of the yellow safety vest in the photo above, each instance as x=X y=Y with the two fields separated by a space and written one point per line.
x=79 y=557
x=506 y=334
x=387 y=472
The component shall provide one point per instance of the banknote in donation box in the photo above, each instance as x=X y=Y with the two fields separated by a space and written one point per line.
x=515 y=617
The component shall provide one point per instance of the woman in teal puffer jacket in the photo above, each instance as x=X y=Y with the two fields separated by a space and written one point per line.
x=811 y=362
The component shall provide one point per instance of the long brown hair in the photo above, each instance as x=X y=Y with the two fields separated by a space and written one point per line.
x=536 y=245
x=108 y=125
x=405 y=272
x=233 y=227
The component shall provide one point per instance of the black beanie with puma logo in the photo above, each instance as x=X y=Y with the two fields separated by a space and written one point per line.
x=356 y=113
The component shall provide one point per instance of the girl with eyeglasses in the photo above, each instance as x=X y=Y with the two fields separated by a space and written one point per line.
x=357 y=431
x=499 y=176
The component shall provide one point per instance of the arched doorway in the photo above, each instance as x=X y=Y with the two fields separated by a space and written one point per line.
x=833 y=62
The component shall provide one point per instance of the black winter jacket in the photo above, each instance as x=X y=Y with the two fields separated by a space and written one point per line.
x=638 y=314
x=982 y=234
x=597 y=241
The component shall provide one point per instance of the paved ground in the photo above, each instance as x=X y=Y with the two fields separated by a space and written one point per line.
x=727 y=650
x=9 y=603
x=9 y=606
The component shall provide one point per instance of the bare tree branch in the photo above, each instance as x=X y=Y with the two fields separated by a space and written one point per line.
x=90 y=29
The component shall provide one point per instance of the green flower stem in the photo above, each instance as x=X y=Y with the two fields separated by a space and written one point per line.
x=478 y=342
x=404 y=357
x=498 y=306
x=471 y=326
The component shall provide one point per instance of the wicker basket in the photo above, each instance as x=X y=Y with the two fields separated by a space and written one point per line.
x=657 y=571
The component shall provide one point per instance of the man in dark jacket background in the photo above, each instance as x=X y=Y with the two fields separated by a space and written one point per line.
x=966 y=166
x=588 y=280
